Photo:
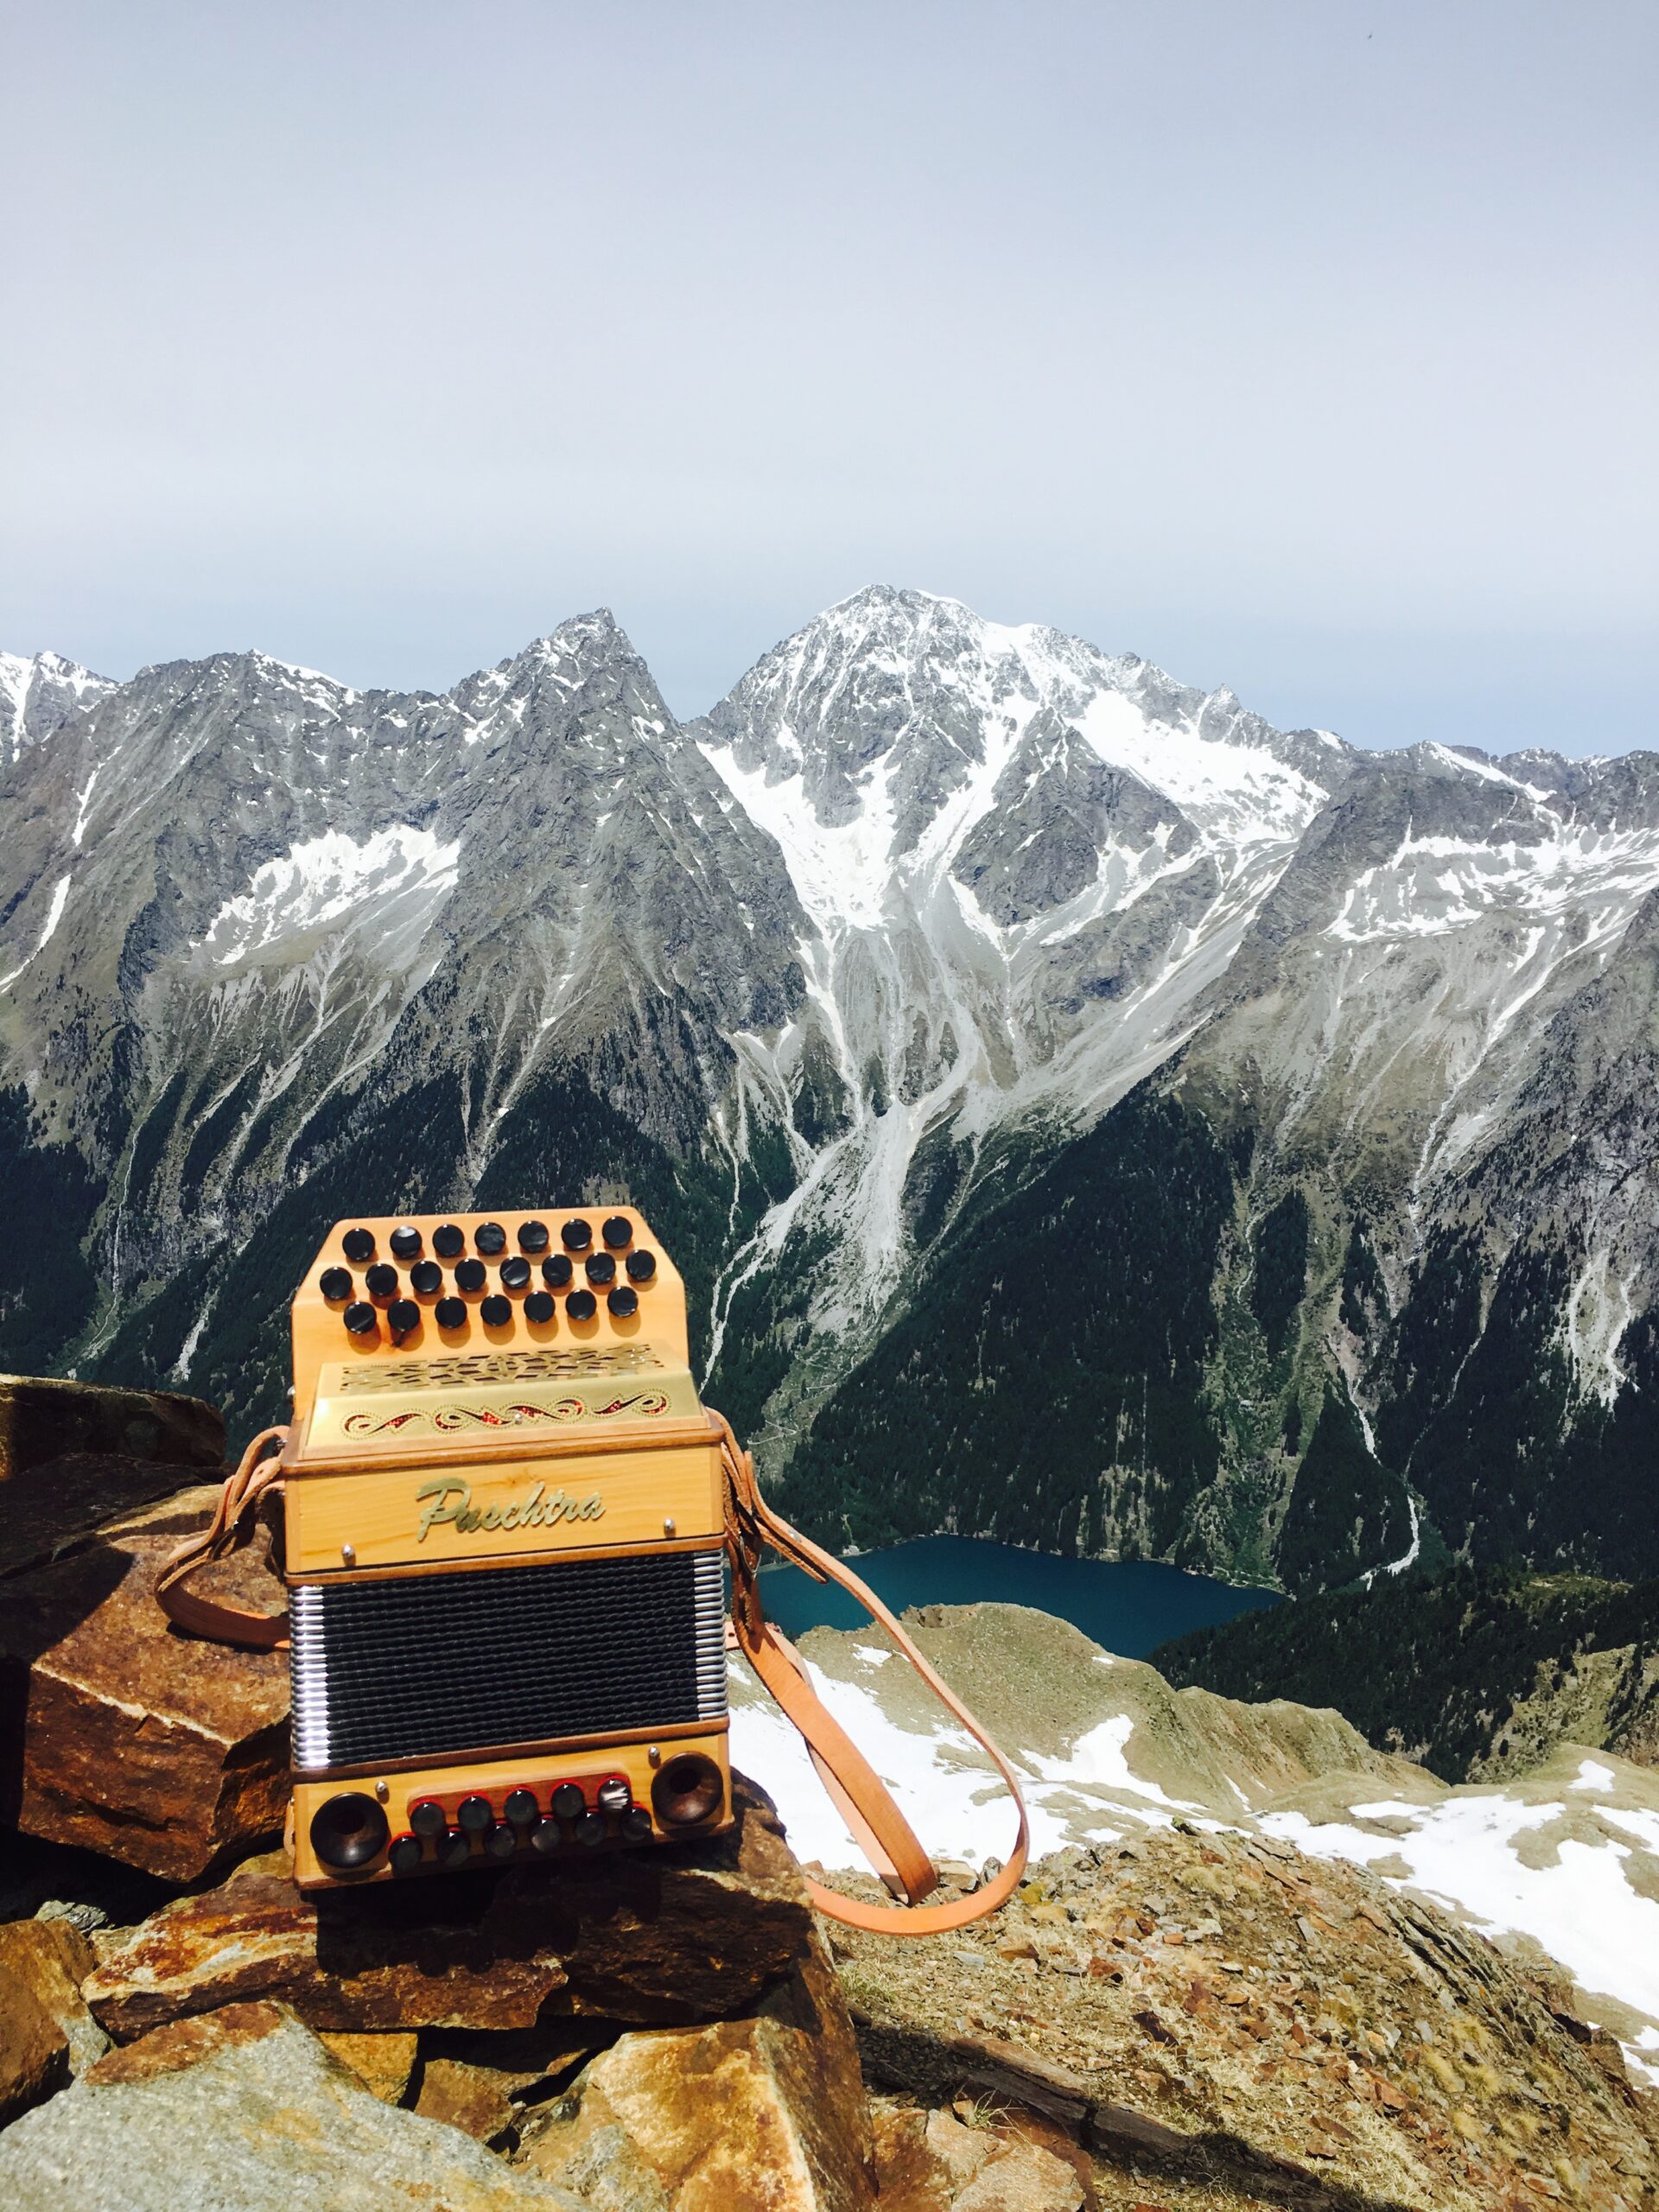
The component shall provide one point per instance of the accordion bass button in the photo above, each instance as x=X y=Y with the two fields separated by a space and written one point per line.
x=475 y=1814
x=590 y=1829
x=426 y=1818
x=405 y=1854
x=636 y=1826
x=454 y=1849
x=546 y=1837
x=521 y=1806
x=501 y=1841
x=614 y=1796
x=569 y=1801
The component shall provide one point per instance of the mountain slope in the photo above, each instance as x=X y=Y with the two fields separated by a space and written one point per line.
x=1083 y=1112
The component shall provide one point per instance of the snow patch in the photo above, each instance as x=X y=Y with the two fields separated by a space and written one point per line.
x=389 y=886
x=53 y=916
x=1580 y=1906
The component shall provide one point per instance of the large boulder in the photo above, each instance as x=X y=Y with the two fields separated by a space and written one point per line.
x=73 y=1455
x=766 y=2113
x=120 y=1734
x=247 y=2110
x=680 y=1933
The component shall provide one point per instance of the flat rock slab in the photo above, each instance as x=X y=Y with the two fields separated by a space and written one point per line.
x=121 y=1735
x=679 y=1933
x=43 y=1418
x=245 y=2110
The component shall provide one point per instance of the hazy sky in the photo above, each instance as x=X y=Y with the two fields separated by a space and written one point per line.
x=1303 y=346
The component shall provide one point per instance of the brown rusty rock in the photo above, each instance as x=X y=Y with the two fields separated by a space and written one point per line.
x=382 y=2064
x=185 y=2043
x=472 y=2098
x=911 y=2175
x=725 y=2117
x=34 y=2050
x=119 y=1734
x=42 y=1419
x=52 y=1957
x=681 y=1932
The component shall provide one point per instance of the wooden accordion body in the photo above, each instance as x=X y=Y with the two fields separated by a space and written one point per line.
x=503 y=1525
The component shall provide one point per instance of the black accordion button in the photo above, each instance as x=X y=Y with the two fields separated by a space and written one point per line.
x=426 y=1818
x=622 y=1301
x=381 y=1281
x=582 y=1306
x=521 y=1806
x=489 y=1237
x=426 y=1278
x=475 y=1814
x=590 y=1829
x=403 y=1315
x=539 y=1306
x=557 y=1271
x=575 y=1236
x=450 y=1313
x=532 y=1236
x=600 y=1269
x=636 y=1826
x=641 y=1266
x=616 y=1232
x=569 y=1801
x=500 y=1842
x=545 y=1836
x=358 y=1244
x=449 y=1241
x=405 y=1242
x=404 y=1855
x=454 y=1849
x=335 y=1283
x=515 y=1274
x=471 y=1275
x=495 y=1312
x=362 y=1321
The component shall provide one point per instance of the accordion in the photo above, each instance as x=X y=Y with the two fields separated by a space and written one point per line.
x=504 y=1522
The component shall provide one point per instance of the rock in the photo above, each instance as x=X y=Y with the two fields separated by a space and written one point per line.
x=723 y=2119
x=245 y=2110
x=382 y=2064
x=52 y=1957
x=117 y=1733
x=72 y=1456
x=1023 y=2177
x=910 y=2175
x=961 y=2150
x=679 y=1934
x=34 y=2049
x=472 y=2098
x=43 y=1419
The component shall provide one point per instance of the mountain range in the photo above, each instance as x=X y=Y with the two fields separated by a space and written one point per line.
x=1084 y=1114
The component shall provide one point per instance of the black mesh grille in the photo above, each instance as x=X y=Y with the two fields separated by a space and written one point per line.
x=429 y=1664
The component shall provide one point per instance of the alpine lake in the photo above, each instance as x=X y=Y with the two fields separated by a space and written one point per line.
x=1127 y=1606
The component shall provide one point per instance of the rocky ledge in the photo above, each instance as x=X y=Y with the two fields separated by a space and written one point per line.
x=1179 y=2022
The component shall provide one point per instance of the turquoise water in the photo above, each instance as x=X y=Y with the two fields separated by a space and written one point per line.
x=1129 y=1606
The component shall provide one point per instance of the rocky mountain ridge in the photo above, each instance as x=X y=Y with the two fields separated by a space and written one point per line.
x=1159 y=1133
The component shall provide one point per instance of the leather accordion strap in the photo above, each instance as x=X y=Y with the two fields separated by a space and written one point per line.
x=204 y=1615
x=858 y=1792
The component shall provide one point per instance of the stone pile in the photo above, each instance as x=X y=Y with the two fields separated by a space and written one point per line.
x=1180 y=2024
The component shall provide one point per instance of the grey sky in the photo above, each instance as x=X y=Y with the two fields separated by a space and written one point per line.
x=1305 y=347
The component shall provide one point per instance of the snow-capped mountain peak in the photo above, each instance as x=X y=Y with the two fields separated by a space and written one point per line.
x=39 y=695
